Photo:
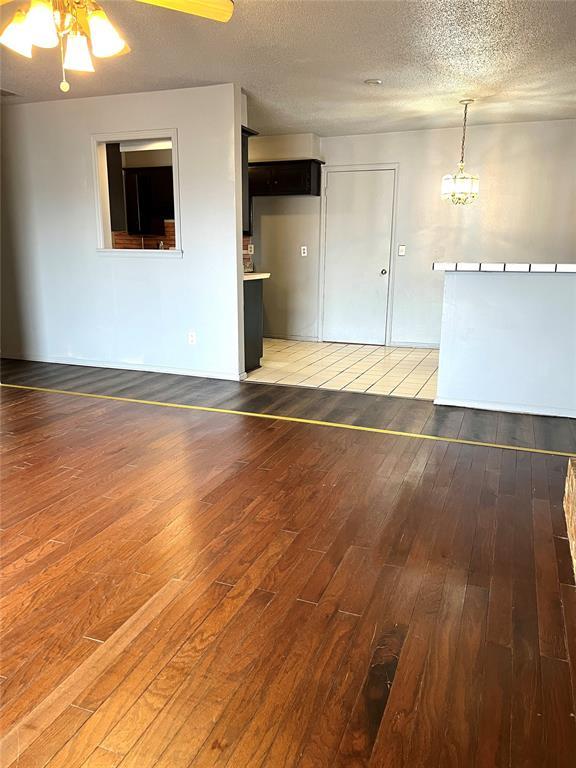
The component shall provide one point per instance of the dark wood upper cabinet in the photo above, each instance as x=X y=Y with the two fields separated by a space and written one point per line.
x=285 y=177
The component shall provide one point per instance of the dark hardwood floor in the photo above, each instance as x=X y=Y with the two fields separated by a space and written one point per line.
x=399 y=414
x=183 y=589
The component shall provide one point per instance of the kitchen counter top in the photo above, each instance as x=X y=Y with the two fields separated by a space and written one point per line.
x=484 y=266
x=256 y=275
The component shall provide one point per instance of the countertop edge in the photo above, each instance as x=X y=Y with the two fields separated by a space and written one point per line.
x=256 y=275
x=509 y=267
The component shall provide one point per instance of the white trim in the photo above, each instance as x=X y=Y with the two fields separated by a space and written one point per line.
x=150 y=253
x=326 y=169
x=507 y=407
x=122 y=366
x=414 y=344
x=293 y=337
x=100 y=175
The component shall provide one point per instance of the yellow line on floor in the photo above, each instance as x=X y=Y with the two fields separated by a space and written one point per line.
x=295 y=419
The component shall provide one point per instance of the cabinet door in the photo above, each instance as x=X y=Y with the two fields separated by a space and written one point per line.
x=293 y=177
x=290 y=178
x=260 y=181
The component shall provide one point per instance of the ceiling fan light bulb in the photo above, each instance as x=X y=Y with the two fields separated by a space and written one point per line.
x=104 y=37
x=41 y=24
x=77 y=55
x=16 y=36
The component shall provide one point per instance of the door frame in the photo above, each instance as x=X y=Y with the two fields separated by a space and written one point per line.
x=326 y=169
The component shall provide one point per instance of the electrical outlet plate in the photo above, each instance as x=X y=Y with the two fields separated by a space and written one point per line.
x=191 y=338
x=251 y=250
x=304 y=250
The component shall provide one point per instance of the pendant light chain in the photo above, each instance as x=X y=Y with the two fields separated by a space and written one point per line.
x=461 y=188
x=464 y=133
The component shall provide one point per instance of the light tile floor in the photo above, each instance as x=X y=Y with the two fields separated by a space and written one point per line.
x=399 y=371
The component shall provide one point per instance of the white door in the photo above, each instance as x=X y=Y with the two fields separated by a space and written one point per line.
x=359 y=208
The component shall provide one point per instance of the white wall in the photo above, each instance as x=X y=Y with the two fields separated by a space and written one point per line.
x=64 y=301
x=281 y=226
x=296 y=146
x=526 y=210
x=148 y=158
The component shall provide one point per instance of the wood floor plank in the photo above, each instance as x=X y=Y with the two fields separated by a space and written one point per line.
x=569 y=607
x=33 y=724
x=213 y=744
x=463 y=711
x=360 y=735
x=102 y=758
x=183 y=589
x=61 y=729
x=550 y=617
x=564 y=561
x=527 y=735
x=427 y=739
x=399 y=722
x=546 y=432
x=163 y=708
x=499 y=628
x=559 y=720
x=317 y=679
x=493 y=742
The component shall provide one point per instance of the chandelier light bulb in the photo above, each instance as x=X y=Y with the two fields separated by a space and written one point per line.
x=41 y=24
x=16 y=36
x=104 y=38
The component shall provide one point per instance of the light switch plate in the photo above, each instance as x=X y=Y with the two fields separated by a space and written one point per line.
x=401 y=250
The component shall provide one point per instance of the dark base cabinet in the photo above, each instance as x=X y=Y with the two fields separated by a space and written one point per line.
x=253 y=323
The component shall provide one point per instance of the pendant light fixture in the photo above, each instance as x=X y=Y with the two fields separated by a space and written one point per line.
x=461 y=188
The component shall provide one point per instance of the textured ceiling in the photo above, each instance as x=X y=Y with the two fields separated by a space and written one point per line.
x=303 y=62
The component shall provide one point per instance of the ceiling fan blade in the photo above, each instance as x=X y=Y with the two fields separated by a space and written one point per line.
x=217 y=10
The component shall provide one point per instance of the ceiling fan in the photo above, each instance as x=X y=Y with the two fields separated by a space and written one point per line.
x=81 y=29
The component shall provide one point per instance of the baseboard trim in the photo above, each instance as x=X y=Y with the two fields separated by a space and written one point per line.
x=287 y=337
x=122 y=366
x=530 y=410
x=414 y=344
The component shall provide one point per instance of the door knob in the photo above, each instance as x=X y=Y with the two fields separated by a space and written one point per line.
x=384 y=272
